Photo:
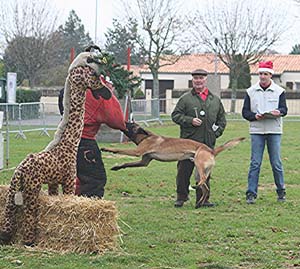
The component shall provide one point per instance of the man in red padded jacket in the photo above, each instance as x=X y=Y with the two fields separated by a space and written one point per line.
x=91 y=174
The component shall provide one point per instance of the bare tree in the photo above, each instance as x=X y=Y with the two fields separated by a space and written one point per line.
x=162 y=31
x=239 y=32
x=26 y=27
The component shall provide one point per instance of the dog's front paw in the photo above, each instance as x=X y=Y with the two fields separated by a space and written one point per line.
x=107 y=150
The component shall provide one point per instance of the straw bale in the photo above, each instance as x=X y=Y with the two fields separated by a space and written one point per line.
x=69 y=223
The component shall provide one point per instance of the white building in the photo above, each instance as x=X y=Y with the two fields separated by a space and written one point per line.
x=178 y=75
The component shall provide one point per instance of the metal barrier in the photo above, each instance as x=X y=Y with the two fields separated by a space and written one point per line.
x=43 y=117
x=146 y=110
x=20 y=118
x=27 y=117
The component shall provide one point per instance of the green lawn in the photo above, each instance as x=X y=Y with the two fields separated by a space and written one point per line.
x=157 y=235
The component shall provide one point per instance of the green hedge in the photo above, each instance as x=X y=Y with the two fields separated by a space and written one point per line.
x=28 y=96
x=28 y=112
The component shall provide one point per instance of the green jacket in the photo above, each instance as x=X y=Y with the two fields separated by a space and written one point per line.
x=214 y=120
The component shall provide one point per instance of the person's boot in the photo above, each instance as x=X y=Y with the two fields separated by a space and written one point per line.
x=180 y=201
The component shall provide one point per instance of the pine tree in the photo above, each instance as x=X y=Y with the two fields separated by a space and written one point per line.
x=242 y=70
x=295 y=49
x=120 y=38
x=73 y=35
x=123 y=80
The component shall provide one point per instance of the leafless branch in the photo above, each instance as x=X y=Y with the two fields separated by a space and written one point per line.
x=27 y=27
x=239 y=28
x=161 y=30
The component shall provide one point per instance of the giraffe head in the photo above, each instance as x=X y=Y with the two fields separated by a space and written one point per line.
x=96 y=69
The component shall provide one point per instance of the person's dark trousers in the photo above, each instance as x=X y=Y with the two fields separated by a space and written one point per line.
x=184 y=171
x=90 y=169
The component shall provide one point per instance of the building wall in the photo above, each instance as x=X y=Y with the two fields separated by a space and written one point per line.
x=293 y=77
x=181 y=81
x=254 y=79
x=292 y=104
x=224 y=81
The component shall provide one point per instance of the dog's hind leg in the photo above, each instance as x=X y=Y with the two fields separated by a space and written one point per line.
x=204 y=164
x=204 y=194
x=146 y=159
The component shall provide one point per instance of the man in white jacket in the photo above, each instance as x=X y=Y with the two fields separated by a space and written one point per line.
x=264 y=106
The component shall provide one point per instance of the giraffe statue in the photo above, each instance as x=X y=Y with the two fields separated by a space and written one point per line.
x=56 y=164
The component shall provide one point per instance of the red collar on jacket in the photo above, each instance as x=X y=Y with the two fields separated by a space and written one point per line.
x=203 y=95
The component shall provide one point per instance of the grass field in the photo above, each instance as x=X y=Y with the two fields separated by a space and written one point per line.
x=157 y=235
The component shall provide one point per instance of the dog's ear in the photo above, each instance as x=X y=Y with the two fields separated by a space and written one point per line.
x=102 y=92
x=143 y=131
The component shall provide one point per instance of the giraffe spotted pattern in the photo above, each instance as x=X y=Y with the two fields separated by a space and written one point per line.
x=55 y=166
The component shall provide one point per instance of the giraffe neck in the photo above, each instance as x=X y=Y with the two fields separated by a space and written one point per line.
x=72 y=133
x=70 y=128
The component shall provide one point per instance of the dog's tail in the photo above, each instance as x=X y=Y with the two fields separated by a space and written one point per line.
x=228 y=144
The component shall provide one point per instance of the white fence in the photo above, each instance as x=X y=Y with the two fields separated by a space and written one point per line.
x=25 y=117
x=42 y=117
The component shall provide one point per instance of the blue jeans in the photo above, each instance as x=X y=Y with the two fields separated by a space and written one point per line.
x=258 y=142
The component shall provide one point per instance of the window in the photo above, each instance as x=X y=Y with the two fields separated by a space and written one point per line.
x=289 y=85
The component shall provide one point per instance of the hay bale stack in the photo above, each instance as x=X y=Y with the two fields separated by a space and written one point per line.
x=69 y=223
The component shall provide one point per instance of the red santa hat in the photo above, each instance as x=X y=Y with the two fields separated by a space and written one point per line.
x=266 y=67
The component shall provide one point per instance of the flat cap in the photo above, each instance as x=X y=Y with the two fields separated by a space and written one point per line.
x=200 y=72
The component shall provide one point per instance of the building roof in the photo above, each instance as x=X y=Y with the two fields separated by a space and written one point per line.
x=188 y=63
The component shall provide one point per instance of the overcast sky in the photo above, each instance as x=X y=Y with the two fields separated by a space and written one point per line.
x=109 y=9
x=86 y=11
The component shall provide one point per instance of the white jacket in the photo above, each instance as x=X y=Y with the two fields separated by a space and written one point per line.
x=263 y=101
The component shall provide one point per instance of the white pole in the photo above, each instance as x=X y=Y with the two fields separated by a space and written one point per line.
x=96 y=21
x=125 y=110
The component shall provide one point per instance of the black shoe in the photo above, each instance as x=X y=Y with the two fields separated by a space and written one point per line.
x=250 y=199
x=281 y=197
x=205 y=204
x=180 y=202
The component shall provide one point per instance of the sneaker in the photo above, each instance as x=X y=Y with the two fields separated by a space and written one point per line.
x=250 y=199
x=281 y=198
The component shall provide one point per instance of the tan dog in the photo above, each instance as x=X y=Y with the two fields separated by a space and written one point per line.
x=167 y=149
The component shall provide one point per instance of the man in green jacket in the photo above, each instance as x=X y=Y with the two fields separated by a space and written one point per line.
x=201 y=117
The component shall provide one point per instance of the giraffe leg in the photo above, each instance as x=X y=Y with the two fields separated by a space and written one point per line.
x=68 y=185
x=9 y=222
x=53 y=189
x=30 y=215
